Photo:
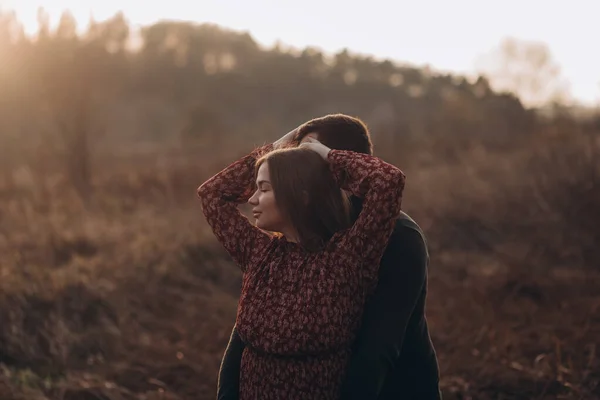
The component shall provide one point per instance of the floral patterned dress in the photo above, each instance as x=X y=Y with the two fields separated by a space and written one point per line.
x=299 y=311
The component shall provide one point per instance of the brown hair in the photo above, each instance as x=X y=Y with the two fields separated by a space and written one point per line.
x=339 y=131
x=307 y=195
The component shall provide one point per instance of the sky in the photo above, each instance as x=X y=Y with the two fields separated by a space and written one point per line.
x=448 y=35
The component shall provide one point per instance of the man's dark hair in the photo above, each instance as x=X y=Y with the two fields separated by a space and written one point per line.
x=339 y=131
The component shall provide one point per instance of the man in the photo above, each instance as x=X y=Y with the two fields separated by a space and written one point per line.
x=392 y=357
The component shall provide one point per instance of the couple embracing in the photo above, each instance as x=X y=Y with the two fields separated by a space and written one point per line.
x=334 y=274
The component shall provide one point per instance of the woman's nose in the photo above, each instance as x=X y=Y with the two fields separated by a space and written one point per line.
x=253 y=200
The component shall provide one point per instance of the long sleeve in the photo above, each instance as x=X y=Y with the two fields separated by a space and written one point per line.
x=228 y=387
x=220 y=197
x=403 y=274
x=380 y=185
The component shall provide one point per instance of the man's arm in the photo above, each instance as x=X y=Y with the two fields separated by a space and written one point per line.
x=402 y=276
x=228 y=386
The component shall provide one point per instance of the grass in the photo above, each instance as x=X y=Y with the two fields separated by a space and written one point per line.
x=130 y=297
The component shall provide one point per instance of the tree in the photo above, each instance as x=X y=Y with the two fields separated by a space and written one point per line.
x=75 y=74
x=526 y=69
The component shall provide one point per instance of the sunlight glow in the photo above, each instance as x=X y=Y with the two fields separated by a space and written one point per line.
x=448 y=36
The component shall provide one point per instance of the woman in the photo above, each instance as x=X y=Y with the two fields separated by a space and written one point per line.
x=305 y=284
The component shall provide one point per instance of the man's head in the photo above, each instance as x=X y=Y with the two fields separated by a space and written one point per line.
x=338 y=131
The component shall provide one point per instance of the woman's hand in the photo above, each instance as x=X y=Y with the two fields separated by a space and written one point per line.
x=286 y=140
x=316 y=146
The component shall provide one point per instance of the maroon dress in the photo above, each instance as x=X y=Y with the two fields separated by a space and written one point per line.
x=299 y=311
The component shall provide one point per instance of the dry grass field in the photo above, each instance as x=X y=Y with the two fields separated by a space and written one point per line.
x=130 y=297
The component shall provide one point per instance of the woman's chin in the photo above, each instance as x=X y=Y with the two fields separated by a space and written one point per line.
x=265 y=227
x=260 y=225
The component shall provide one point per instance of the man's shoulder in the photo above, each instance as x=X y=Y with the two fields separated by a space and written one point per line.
x=407 y=234
x=405 y=223
x=406 y=258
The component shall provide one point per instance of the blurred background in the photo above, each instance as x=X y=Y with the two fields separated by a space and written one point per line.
x=112 y=113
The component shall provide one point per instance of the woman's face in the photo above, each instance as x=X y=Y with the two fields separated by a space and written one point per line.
x=264 y=207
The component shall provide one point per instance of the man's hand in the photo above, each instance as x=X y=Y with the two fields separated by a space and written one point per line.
x=316 y=146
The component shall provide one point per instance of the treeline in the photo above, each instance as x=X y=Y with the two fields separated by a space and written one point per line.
x=183 y=84
x=196 y=80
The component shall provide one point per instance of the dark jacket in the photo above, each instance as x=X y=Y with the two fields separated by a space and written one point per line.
x=393 y=357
